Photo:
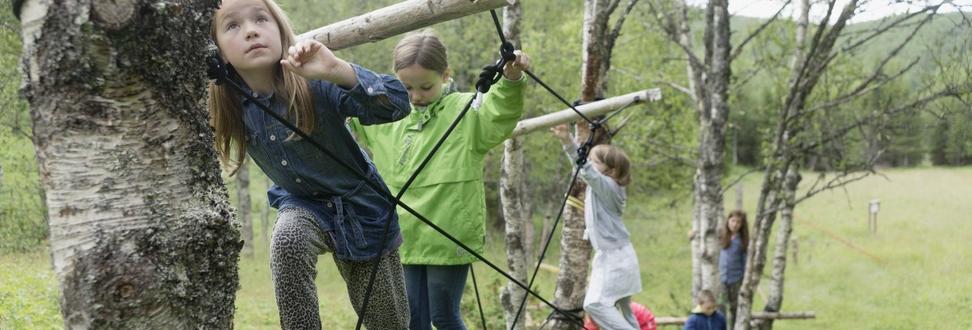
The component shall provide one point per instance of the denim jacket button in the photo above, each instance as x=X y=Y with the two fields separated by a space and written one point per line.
x=329 y=204
x=371 y=90
x=283 y=162
x=298 y=180
x=273 y=138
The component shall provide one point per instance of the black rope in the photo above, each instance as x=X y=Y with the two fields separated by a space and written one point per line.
x=499 y=30
x=499 y=27
x=490 y=75
x=553 y=316
x=222 y=77
x=581 y=159
x=479 y=303
x=617 y=111
x=218 y=71
x=408 y=183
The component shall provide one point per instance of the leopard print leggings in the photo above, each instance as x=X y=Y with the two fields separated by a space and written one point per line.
x=296 y=242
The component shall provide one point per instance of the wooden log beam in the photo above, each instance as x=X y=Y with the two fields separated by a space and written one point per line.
x=592 y=109
x=679 y=320
x=397 y=19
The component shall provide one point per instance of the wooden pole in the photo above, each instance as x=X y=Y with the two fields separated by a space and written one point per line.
x=679 y=320
x=397 y=19
x=592 y=109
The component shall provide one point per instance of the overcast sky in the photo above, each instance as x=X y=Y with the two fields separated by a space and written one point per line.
x=870 y=10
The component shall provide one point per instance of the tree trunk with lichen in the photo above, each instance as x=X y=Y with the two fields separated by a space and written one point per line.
x=711 y=86
x=141 y=232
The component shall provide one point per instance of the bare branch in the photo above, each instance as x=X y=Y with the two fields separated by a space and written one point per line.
x=759 y=30
x=863 y=88
x=881 y=30
x=841 y=132
x=737 y=180
x=678 y=31
x=622 y=124
x=677 y=87
x=612 y=5
x=616 y=31
x=837 y=182
x=894 y=52
x=747 y=76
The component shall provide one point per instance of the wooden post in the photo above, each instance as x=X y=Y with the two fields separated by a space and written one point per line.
x=592 y=109
x=872 y=214
x=795 y=247
x=397 y=19
x=739 y=196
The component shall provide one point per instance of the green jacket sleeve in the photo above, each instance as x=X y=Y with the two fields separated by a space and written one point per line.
x=359 y=132
x=498 y=114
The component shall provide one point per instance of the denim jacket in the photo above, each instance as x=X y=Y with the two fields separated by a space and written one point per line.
x=346 y=208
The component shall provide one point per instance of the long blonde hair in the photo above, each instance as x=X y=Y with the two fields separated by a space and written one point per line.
x=617 y=162
x=225 y=107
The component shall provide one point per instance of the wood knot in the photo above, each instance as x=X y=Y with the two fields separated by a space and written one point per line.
x=113 y=14
x=125 y=290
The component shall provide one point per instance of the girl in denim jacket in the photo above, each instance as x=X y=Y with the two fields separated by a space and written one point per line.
x=323 y=207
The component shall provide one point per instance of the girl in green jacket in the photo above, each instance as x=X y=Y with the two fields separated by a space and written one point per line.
x=449 y=191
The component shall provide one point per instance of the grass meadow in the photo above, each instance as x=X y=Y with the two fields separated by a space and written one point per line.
x=914 y=273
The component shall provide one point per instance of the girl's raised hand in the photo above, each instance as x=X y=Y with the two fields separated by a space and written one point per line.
x=561 y=132
x=312 y=60
x=514 y=70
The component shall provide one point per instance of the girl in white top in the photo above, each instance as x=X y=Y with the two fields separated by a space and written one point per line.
x=615 y=275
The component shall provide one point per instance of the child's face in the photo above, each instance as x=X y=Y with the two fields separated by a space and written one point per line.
x=734 y=224
x=708 y=305
x=247 y=35
x=424 y=86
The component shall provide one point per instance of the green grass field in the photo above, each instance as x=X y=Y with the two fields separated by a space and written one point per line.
x=913 y=274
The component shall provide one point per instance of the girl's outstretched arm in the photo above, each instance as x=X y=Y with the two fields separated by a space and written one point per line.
x=353 y=90
x=599 y=182
x=312 y=60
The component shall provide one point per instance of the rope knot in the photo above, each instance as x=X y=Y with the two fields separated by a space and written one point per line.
x=492 y=73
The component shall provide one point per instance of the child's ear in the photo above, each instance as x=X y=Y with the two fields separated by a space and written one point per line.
x=447 y=74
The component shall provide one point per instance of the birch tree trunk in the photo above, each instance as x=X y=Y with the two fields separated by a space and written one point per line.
x=142 y=235
x=713 y=108
x=513 y=197
x=775 y=300
x=244 y=213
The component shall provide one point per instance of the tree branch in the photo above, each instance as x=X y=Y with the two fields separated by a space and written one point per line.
x=847 y=128
x=736 y=180
x=863 y=89
x=677 y=87
x=881 y=30
x=616 y=31
x=760 y=29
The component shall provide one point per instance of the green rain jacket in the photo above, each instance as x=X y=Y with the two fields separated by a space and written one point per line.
x=449 y=191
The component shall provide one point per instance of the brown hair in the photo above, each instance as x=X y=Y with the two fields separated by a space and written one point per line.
x=705 y=295
x=225 y=109
x=617 y=162
x=424 y=49
x=726 y=237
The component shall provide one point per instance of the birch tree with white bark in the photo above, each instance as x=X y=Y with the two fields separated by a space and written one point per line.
x=141 y=230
